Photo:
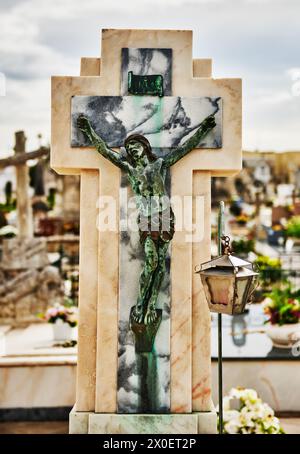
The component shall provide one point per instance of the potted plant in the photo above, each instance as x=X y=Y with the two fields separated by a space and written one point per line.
x=282 y=306
x=63 y=318
x=245 y=413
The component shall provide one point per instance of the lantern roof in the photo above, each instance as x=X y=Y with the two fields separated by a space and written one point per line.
x=226 y=260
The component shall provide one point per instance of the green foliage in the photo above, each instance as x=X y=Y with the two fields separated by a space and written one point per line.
x=68 y=302
x=243 y=246
x=8 y=208
x=51 y=198
x=293 y=227
x=270 y=270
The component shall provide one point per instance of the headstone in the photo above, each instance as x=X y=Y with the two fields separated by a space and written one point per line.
x=28 y=283
x=284 y=194
x=148 y=84
x=262 y=172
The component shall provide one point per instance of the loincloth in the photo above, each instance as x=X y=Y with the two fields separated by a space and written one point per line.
x=159 y=226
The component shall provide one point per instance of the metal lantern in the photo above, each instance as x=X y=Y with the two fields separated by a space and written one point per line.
x=228 y=282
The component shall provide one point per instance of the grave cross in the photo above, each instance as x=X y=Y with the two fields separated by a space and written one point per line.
x=24 y=210
x=183 y=386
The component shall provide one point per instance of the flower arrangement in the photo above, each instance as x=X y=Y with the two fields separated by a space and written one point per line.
x=66 y=314
x=282 y=306
x=245 y=413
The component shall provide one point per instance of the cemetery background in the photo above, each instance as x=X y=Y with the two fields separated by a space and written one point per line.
x=262 y=204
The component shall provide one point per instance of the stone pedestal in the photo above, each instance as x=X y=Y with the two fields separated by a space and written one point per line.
x=177 y=424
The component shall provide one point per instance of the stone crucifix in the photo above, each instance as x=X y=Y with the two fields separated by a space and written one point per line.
x=172 y=383
x=146 y=174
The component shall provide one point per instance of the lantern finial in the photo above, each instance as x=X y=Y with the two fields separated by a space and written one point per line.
x=225 y=243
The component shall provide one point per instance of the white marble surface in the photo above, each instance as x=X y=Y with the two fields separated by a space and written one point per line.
x=32 y=340
x=33 y=373
x=37 y=385
x=97 y=423
x=78 y=421
x=166 y=122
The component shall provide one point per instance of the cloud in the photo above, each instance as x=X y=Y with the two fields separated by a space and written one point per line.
x=274 y=98
x=255 y=40
x=294 y=74
x=22 y=55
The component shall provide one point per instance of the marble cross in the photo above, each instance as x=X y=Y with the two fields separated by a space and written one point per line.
x=101 y=384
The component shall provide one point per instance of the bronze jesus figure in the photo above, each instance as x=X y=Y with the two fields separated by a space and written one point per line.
x=146 y=174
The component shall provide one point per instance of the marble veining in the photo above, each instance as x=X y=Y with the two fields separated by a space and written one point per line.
x=146 y=61
x=143 y=378
x=166 y=122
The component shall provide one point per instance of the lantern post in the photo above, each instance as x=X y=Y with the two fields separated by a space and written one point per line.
x=228 y=283
x=221 y=232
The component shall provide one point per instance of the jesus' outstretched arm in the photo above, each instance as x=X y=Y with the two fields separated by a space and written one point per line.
x=101 y=146
x=205 y=127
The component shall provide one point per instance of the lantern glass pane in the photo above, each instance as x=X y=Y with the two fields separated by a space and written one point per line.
x=241 y=289
x=220 y=289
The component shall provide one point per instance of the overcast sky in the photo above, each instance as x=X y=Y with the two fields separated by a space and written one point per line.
x=258 y=40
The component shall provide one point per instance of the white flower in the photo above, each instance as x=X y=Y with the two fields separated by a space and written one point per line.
x=226 y=403
x=232 y=427
x=268 y=410
x=254 y=416
x=231 y=415
x=247 y=417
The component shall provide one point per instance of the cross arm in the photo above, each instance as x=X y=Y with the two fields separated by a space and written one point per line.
x=21 y=158
x=205 y=127
x=84 y=125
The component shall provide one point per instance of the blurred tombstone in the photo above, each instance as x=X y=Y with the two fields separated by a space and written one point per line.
x=285 y=193
x=262 y=172
x=266 y=216
x=28 y=284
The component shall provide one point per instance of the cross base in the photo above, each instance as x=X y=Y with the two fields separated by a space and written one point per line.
x=111 y=423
